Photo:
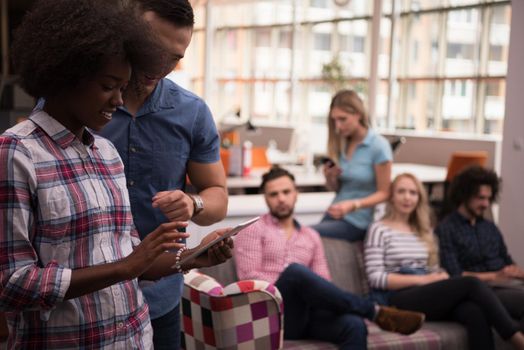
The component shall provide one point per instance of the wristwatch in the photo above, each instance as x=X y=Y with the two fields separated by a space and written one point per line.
x=198 y=204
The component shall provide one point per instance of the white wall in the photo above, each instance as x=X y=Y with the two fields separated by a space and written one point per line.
x=512 y=168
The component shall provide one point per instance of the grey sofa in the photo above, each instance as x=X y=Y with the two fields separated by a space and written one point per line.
x=345 y=262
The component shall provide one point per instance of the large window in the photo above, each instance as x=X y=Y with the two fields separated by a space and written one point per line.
x=452 y=66
x=443 y=70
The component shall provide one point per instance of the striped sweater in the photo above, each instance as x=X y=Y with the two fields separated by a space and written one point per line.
x=389 y=251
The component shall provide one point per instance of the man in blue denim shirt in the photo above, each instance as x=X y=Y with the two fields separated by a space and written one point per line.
x=163 y=133
x=471 y=245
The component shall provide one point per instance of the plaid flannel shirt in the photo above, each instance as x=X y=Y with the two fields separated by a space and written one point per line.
x=64 y=206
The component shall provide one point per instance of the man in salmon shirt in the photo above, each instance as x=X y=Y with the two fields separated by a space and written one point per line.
x=279 y=250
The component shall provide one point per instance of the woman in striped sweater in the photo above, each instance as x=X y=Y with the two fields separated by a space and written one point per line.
x=401 y=257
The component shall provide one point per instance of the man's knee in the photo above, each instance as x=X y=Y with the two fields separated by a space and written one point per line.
x=294 y=270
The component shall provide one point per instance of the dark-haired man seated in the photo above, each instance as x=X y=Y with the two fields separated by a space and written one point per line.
x=471 y=245
x=279 y=250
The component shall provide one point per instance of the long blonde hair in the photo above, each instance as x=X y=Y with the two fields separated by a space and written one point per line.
x=419 y=220
x=349 y=101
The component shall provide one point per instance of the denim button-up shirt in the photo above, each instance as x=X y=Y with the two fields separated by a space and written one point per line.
x=171 y=128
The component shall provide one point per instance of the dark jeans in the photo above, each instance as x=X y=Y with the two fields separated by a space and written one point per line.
x=513 y=301
x=317 y=309
x=466 y=300
x=340 y=229
x=166 y=330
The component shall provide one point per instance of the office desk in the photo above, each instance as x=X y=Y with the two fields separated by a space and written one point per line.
x=312 y=181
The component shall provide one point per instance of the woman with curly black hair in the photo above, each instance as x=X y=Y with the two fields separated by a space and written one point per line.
x=69 y=254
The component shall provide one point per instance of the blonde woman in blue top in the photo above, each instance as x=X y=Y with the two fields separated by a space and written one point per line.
x=360 y=172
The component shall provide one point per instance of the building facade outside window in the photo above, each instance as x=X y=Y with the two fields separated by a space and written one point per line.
x=448 y=62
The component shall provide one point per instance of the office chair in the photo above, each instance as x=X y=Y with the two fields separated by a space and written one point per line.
x=462 y=159
x=458 y=161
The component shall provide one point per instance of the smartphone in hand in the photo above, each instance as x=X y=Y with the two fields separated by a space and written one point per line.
x=327 y=162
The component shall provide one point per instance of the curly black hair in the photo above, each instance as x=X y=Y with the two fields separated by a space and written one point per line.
x=62 y=42
x=178 y=12
x=274 y=173
x=466 y=184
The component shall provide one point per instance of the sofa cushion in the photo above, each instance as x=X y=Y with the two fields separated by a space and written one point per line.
x=424 y=339
x=346 y=264
x=452 y=335
x=224 y=273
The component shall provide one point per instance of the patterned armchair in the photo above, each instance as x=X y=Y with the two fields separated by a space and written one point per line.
x=243 y=315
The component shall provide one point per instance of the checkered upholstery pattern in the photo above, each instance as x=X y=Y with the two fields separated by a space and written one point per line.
x=243 y=315
x=423 y=339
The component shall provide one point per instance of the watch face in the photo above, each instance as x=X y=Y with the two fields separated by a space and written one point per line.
x=198 y=204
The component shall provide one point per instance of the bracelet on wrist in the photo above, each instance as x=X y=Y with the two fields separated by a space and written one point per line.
x=178 y=266
x=356 y=205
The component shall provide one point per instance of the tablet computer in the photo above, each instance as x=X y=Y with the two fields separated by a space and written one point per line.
x=230 y=233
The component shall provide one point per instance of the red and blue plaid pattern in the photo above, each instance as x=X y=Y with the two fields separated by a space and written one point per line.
x=64 y=206
x=244 y=315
